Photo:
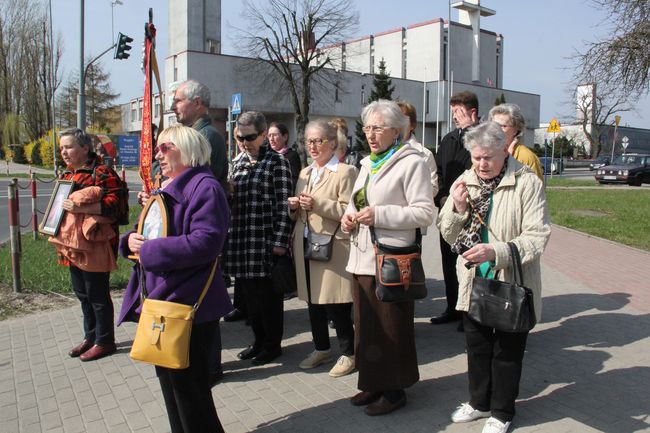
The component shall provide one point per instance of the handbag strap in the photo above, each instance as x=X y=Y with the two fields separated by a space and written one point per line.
x=418 y=237
x=307 y=189
x=143 y=290
x=516 y=263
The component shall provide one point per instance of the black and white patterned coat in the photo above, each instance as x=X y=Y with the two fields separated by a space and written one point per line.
x=260 y=214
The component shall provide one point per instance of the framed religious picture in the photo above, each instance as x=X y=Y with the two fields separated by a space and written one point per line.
x=153 y=220
x=54 y=213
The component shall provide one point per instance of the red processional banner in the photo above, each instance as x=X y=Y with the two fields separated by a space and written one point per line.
x=146 y=139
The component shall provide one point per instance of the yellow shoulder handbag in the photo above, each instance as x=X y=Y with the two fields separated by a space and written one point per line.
x=163 y=334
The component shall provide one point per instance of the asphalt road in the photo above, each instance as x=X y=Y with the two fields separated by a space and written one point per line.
x=44 y=190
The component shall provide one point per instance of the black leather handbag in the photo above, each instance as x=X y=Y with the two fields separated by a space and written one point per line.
x=319 y=246
x=399 y=274
x=502 y=305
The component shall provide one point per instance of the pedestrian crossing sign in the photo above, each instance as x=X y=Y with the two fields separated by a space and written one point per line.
x=235 y=103
x=554 y=126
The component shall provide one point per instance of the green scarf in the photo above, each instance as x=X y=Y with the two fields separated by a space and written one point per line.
x=377 y=161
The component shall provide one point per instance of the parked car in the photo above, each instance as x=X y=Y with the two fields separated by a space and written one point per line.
x=599 y=162
x=632 y=169
x=555 y=167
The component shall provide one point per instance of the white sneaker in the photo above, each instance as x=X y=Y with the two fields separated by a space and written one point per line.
x=345 y=365
x=493 y=425
x=466 y=413
x=316 y=358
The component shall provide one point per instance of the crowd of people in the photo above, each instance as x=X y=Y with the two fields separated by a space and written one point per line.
x=267 y=209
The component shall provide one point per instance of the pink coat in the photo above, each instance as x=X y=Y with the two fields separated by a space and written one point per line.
x=84 y=239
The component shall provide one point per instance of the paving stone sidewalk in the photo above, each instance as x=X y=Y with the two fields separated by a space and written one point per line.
x=587 y=366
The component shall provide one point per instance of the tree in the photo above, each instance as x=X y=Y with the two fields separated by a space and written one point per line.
x=26 y=84
x=596 y=110
x=382 y=88
x=288 y=35
x=99 y=97
x=500 y=100
x=621 y=57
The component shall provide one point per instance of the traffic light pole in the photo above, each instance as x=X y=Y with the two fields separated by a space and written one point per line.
x=81 y=102
x=81 y=96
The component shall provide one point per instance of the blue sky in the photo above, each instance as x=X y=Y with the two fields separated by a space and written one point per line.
x=540 y=37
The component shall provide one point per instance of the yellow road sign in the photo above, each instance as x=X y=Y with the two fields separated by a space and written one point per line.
x=554 y=126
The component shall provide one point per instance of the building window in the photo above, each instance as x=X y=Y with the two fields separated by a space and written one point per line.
x=404 y=63
x=140 y=109
x=156 y=106
x=336 y=92
x=134 y=111
x=426 y=102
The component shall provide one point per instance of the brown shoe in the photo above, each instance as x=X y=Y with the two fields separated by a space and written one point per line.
x=383 y=406
x=365 y=397
x=80 y=348
x=98 y=351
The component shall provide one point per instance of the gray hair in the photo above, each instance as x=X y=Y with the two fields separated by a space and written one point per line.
x=80 y=137
x=514 y=114
x=254 y=118
x=194 y=89
x=328 y=130
x=194 y=147
x=390 y=111
x=487 y=135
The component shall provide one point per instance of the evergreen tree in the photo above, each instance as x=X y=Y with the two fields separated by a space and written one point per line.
x=382 y=89
x=500 y=100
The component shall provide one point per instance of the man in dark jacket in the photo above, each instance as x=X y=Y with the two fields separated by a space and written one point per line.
x=452 y=159
x=191 y=105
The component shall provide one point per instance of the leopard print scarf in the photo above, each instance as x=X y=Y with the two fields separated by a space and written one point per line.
x=470 y=234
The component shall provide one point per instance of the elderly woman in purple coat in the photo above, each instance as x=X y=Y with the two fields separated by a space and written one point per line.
x=177 y=267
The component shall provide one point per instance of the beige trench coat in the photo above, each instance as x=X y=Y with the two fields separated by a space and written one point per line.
x=329 y=281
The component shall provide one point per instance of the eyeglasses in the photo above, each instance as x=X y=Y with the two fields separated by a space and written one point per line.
x=249 y=137
x=504 y=126
x=374 y=128
x=316 y=141
x=273 y=134
x=163 y=147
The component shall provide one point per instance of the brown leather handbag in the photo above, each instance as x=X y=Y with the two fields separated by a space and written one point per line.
x=399 y=274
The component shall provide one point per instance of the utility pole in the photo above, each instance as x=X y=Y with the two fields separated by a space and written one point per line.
x=81 y=96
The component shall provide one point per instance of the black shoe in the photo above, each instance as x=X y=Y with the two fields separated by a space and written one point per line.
x=234 y=316
x=446 y=317
x=249 y=352
x=215 y=378
x=266 y=356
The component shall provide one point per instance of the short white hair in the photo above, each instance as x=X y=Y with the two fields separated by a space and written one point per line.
x=390 y=111
x=194 y=147
x=486 y=135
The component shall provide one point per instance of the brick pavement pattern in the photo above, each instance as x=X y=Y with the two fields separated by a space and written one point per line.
x=587 y=366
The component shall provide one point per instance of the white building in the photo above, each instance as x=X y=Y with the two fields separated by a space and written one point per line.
x=416 y=58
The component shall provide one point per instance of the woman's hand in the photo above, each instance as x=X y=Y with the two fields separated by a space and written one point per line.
x=143 y=196
x=480 y=253
x=135 y=242
x=69 y=206
x=306 y=201
x=348 y=223
x=512 y=145
x=294 y=203
x=459 y=195
x=366 y=216
x=279 y=251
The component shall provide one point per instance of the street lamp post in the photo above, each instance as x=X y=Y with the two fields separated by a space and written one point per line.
x=113 y=3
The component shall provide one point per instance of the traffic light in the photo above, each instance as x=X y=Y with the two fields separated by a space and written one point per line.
x=122 y=46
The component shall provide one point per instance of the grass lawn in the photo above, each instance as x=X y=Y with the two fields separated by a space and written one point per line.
x=619 y=215
x=40 y=271
x=561 y=182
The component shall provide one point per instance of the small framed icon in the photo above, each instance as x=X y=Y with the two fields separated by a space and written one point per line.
x=54 y=212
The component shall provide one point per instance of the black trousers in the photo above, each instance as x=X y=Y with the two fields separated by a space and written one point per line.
x=187 y=393
x=494 y=362
x=239 y=298
x=96 y=305
x=215 y=356
x=341 y=315
x=449 y=273
x=265 y=312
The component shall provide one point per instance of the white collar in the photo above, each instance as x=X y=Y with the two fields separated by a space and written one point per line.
x=332 y=165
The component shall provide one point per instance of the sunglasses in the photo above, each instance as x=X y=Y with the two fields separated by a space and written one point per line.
x=249 y=137
x=163 y=147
